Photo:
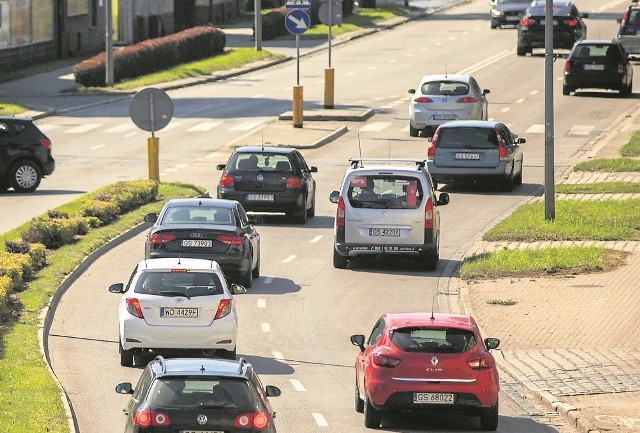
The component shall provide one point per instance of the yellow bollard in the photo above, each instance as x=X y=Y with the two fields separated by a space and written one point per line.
x=328 y=87
x=153 y=152
x=297 y=107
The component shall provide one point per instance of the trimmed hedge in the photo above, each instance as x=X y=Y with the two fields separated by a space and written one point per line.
x=152 y=55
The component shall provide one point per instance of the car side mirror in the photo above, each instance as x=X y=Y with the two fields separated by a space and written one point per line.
x=443 y=199
x=256 y=219
x=333 y=197
x=124 y=388
x=116 y=288
x=485 y=91
x=220 y=166
x=585 y=15
x=358 y=340
x=521 y=140
x=151 y=217
x=491 y=343
x=619 y=20
x=411 y=91
x=272 y=391
x=313 y=169
x=237 y=289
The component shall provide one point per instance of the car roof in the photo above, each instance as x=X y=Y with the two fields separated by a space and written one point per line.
x=470 y=123
x=399 y=320
x=202 y=201
x=542 y=3
x=18 y=118
x=452 y=77
x=268 y=149
x=375 y=165
x=202 y=367
x=178 y=263
x=597 y=42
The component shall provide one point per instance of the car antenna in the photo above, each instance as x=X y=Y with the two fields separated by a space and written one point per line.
x=432 y=305
x=179 y=257
x=360 y=150
x=262 y=139
x=389 y=148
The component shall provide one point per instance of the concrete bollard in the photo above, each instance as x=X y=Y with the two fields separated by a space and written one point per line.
x=298 y=103
x=153 y=152
x=329 y=74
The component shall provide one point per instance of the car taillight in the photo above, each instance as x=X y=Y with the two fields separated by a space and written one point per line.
x=253 y=420
x=482 y=363
x=428 y=214
x=133 y=307
x=340 y=213
x=525 y=21
x=467 y=100
x=226 y=180
x=146 y=418
x=230 y=239
x=571 y=23
x=45 y=142
x=293 y=182
x=385 y=361
x=423 y=100
x=567 y=66
x=224 y=308
x=620 y=68
x=502 y=150
x=431 y=150
x=160 y=238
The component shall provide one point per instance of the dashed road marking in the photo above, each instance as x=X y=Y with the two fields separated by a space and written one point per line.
x=534 y=92
x=97 y=147
x=265 y=327
x=536 y=128
x=204 y=126
x=297 y=385
x=316 y=239
x=581 y=130
x=121 y=128
x=505 y=109
x=375 y=126
x=289 y=259
x=262 y=303
x=520 y=101
x=83 y=128
x=320 y=420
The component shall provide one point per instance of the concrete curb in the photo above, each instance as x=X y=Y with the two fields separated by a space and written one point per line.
x=353 y=115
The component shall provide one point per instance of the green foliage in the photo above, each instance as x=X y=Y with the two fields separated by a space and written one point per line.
x=10 y=109
x=599 y=188
x=52 y=232
x=614 y=165
x=632 y=147
x=104 y=211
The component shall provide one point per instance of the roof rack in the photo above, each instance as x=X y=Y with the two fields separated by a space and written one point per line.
x=358 y=162
x=162 y=362
x=241 y=364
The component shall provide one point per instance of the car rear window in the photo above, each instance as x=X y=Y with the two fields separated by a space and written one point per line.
x=200 y=215
x=259 y=162
x=384 y=192
x=632 y=23
x=542 y=11
x=444 y=88
x=467 y=138
x=179 y=283
x=433 y=340
x=202 y=392
x=594 y=51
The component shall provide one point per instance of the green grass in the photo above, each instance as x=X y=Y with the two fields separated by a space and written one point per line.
x=614 y=165
x=632 y=147
x=31 y=399
x=599 y=188
x=363 y=18
x=574 y=220
x=11 y=109
x=537 y=262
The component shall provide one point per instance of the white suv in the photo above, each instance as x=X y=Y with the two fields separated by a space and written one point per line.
x=172 y=304
x=388 y=208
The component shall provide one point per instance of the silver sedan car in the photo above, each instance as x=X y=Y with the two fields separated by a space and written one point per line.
x=442 y=98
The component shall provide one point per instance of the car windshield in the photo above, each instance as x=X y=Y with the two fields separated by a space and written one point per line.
x=467 y=138
x=444 y=88
x=260 y=162
x=203 y=392
x=200 y=215
x=385 y=192
x=501 y=2
x=433 y=340
x=179 y=283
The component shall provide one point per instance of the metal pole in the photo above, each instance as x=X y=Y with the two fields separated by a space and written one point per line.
x=108 y=79
x=330 y=25
x=297 y=60
x=257 y=6
x=549 y=182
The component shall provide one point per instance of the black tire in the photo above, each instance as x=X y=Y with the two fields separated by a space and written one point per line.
x=256 y=271
x=25 y=176
x=339 y=261
x=518 y=179
x=565 y=90
x=521 y=51
x=414 y=132
x=359 y=403
x=3 y=186
x=126 y=356
x=300 y=217
x=627 y=90
x=246 y=279
x=429 y=260
x=311 y=212
x=489 y=420
x=372 y=416
x=509 y=183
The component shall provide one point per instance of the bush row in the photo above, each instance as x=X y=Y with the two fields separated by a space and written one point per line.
x=24 y=257
x=152 y=55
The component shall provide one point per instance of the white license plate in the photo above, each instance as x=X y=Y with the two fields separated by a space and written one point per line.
x=201 y=431
x=260 y=197
x=187 y=313
x=555 y=22
x=513 y=18
x=593 y=67
x=204 y=243
x=384 y=232
x=444 y=117
x=467 y=156
x=432 y=398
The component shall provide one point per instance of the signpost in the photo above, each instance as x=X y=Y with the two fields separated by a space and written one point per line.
x=329 y=13
x=297 y=21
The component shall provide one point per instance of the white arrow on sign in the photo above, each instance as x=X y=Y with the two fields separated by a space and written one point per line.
x=300 y=23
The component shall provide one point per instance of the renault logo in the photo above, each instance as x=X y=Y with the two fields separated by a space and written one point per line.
x=434 y=360
x=196 y=235
x=201 y=419
x=260 y=177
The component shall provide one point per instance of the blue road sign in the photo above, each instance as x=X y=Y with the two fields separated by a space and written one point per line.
x=297 y=21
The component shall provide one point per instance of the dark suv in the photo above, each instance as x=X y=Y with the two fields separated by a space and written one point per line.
x=25 y=154
x=568 y=26
x=629 y=31
x=198 y=395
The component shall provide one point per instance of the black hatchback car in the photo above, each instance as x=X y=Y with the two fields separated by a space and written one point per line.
x=199 y=395
x=568 y=26
x=25 y=154
x=270 y=179
x=598 y=64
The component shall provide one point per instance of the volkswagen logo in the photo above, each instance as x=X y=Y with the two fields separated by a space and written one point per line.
x=201 y=419
x=196 y=235
x=434 y=360
x=260 y=177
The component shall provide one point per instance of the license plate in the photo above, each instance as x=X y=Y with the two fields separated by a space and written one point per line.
x=187 y=313
x=513 y=18
x=204 y=243
x=201 y=431
x=260 y=197
x=467 y=156
x=593 y=67
x=432 y=398
x=444 y=117
x=555 y=22
x=384 y=232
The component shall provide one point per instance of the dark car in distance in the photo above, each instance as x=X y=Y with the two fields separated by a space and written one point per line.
x=198 y=395
x=25 y=154
x=270 y=179
x=598 y=64
x=629 y=30
x=507 y=12
x=568 y=26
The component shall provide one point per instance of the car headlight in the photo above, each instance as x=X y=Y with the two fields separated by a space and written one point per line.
x=496 y=13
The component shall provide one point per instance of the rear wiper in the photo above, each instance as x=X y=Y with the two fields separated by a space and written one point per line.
x=174 y=293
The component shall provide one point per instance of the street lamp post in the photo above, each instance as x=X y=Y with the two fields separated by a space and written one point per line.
x=549 y=181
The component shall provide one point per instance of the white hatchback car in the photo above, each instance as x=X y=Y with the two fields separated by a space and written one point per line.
x=176 y=304
x=388 y=208
x=441 y=98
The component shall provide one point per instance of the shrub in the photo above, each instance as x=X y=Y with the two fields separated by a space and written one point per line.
x=273 y=24
x=38 y=255
x=18 y=268
x=105 y=211
x=52 y=232
x=19 y=247
x=5 y=292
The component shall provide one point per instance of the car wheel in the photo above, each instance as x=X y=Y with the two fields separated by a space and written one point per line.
x=246 y=279
x=627 y=90
x=339 y=261
x=256 y=271
x=3 y=186
x=312 y=210
x=126 y=356
x=565 y=89
x=414 y=132
x=25 y=176
x=228 y=354
x=372 y=416
x=489 y=420
x=430 y=259
x=359 y=403
x=518 y=179
x=300 y=217
x=521 y=51
x=509 y=183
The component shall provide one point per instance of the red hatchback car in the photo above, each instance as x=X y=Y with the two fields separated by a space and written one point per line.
x=426 y=361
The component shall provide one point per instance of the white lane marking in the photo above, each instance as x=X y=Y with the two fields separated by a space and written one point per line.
x=371 y=68
x=212 y=155
x=204 y=126
x=438 y=44
x=348 y=74
x=375 y=126
x=536 y=128
x=486 y=62
x=97 y=147
x=267 y=280
x=48 y=127
x=320 y=420
x=289 y=259
x=534 y=92
x=424 y=48
x=277 y=355
x=247 y=125
x=262 y=303
x=180 y=166
x=83 y=128
x=520 y=101
x=393 y=60
x=409 y=55
x=265 y=327
x=121 y=128
x=172 y=125
x=131 y=134
x=581 y=130
x=505 y=109
x=316 y=239
x=297 y=385
x=259 y=95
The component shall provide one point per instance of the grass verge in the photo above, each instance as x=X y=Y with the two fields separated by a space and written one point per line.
x=632 y=147
x=11 y=109
x=599 y=188
x=613 y=165
x=363 y=18
x=31 y=399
